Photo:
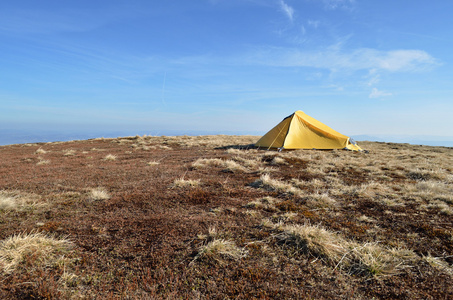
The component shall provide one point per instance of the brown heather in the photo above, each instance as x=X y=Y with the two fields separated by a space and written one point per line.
x=211 y=217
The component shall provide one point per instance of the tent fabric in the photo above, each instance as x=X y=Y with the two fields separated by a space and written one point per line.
x=300 y=131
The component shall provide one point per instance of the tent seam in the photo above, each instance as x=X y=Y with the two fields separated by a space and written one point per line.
x=290 y=116
x=289 y=128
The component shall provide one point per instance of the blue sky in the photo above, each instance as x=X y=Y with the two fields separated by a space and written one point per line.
x=362 y=67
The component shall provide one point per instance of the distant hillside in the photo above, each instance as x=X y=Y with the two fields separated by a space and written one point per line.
x=22 y=136
x=446 y=141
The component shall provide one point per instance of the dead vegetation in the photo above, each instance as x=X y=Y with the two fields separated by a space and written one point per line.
x=15 y=252
x=19 y=201
x=211 y=217
x=98 y=194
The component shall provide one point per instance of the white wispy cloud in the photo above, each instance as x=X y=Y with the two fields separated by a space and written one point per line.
x=303 y=30
x=402 y=59
x=288 y=10
x=335 y=59
x=375 y=93
x=338 y=4
x=374 y=80
x=373 y=77
x=314 y=23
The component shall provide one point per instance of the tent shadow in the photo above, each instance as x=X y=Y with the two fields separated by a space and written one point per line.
x=239 y=147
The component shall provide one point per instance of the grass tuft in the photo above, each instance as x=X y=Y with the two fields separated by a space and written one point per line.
x=233 y=166
x=439 y=263
x=370 y=259
x=220 y=248
x=278 y=161
x=18 y=201
x=43 y=161
x=7 y=203
x=69 y=152
x=268 y=183
x=375 y=260
x=315 y=240
x=320 y=200
x=267 y=203
x=110 y=157
x=181 y=182
x=30 y=251
x=99 y=194
x=206 y=162
x=40 y=151
x=229 y=165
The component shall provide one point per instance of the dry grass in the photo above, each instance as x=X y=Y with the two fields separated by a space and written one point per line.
x=318 y=200
x=433 y=190
x=233 y=166
x=40 y=151
x=42 y=161
x=33 y=250
x=110 y=157
x=269 y=183
x=439 y=263
x=206 y=162
x=369 y=213
x=287 y=216
x=375 y=260
x=7 y=202
x=370 y=259
x=253 y=213
x=278 y=161
x=444 y=207
x=266 y=203
x=234 y=151
x=18 y=201
x=314 y=239
x=99 y=193
x=250 y=163
x=218 y=249
x=69 y=152
x=207 y=141
x=315 y=184
x=181 y=182
x=211 y=235
x=228 y=165
x=366 y=219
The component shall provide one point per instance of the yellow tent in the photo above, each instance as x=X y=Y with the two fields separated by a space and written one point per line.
x=300 y=131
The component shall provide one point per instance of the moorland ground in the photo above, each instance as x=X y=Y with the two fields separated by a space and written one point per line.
x=211 y=217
